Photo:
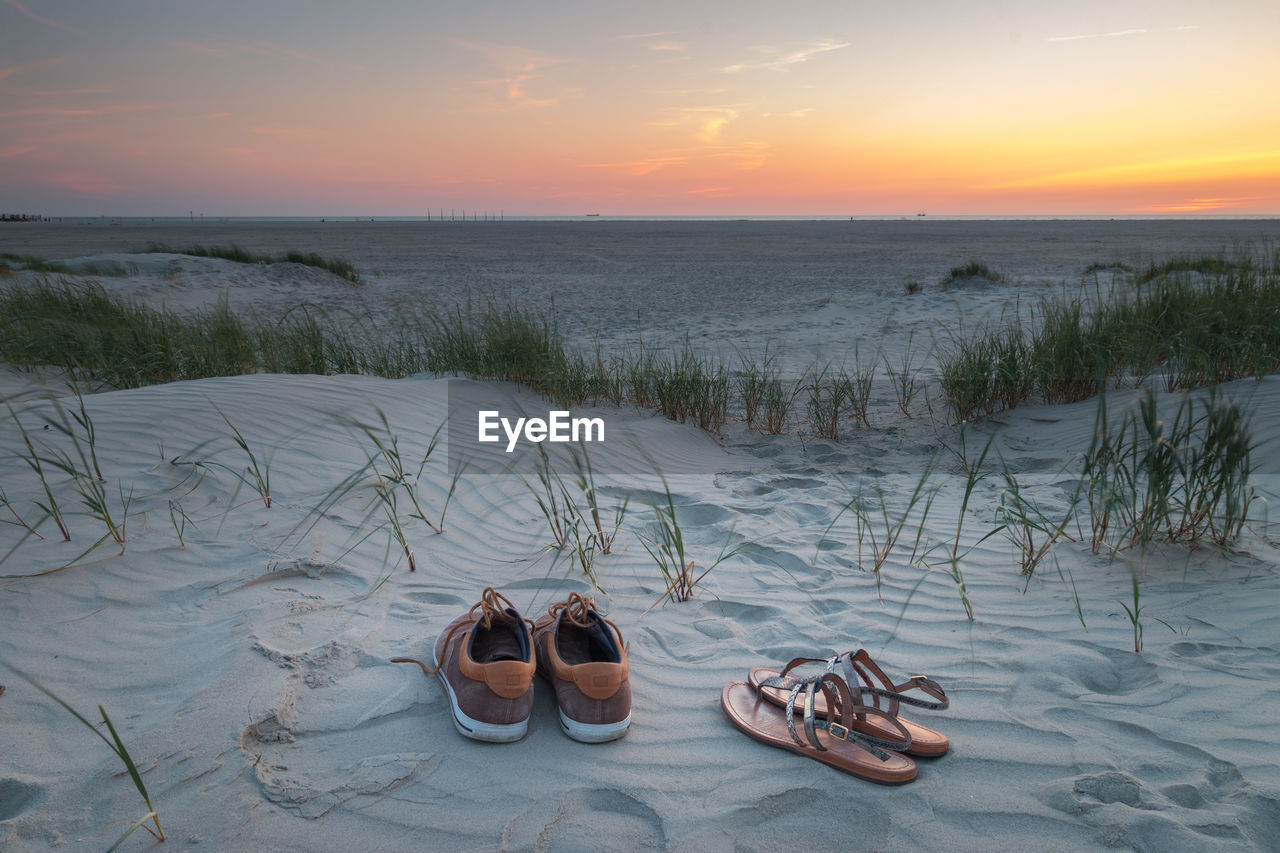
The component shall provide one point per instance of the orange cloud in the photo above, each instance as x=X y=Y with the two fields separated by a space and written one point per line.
x=638 y=167
x=1163 y=171
x=1196 y=205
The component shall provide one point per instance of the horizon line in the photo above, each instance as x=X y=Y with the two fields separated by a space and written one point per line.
x=479 y=215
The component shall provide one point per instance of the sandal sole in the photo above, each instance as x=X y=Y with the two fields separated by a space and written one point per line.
x=767 y=723
x=925 y=742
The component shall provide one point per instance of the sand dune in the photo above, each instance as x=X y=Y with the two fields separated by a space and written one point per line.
x=249 y=671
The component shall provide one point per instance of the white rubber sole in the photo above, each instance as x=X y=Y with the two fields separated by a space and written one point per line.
x=594 y=733
x=477 y=730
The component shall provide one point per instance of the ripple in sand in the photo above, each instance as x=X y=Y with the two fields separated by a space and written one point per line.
x=595 y=819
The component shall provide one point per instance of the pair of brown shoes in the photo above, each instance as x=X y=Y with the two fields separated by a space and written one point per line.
x=487 y=657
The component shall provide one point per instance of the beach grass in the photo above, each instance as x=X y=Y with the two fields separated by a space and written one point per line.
x=256 y=474
x=92 y=489
x=1107 y=266
x=665 y=543
x=972 y=269
x=1195 y=322
x=116 y=745
x=974 y=470
x=1135 y=614
x=571 y=508
x=904 y=377
x=1211 y=265
x=9 y=262
x=753 y=383
x=1027 y=526
x=33 y=460
x=1185 y=326
x=94 y=334
x=338 y=266
x=829 y=395
x=689 y=387
x=1148 y=477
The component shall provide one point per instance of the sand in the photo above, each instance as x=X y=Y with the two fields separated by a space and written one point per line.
x=248 y=672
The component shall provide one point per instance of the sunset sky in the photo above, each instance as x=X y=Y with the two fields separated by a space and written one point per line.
x=390 y=107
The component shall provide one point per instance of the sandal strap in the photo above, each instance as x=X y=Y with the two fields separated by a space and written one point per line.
x=859 y=670
x=795 y=662
x=839 y=701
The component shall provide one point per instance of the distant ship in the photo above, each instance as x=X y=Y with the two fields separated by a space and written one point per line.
x=593 y=214
x=921 y=213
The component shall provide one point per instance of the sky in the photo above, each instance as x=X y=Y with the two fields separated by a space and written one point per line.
x=408 y=107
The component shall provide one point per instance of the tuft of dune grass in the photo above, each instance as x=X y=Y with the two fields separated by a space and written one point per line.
x=1194 y=331
x=972 y=269
x=337 y=266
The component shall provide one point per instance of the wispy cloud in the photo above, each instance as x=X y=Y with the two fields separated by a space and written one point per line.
x=643 y=166
x=1195 y=205
x=79 y=112
x=519 y=68
x=639 y=36
x=245 y=153
x=709 y=126
x=202 y=49
x=61 y=93
x=220 y=50
x=711 y=121
x=86 y=184
x=775 y=59
x=1112 y=35
x=1122 y=33
x=13 y=152
x=708 y=138
x=23 y=10
x=14 y=70
x=282 y=131
x=800 y=113
x=657 y=41
x=684 y=93
x=746 y=155
x=1159 y=171
x=267 y=48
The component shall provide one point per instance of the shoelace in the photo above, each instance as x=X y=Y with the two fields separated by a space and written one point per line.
x=492 y=605
x=577 y=610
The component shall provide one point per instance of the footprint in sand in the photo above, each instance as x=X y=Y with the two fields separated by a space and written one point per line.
x=587 y=819
x=17 y=795
x=1108 y=672
x=440 y=598
x=1210 y=806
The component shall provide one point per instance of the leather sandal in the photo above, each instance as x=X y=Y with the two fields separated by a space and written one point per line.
x=866 y=681
x=829 y=738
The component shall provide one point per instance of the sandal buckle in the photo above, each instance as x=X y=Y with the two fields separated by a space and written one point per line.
x=838 y=731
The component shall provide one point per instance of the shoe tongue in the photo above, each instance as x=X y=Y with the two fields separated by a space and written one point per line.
x=602 y=644
x=505 y=639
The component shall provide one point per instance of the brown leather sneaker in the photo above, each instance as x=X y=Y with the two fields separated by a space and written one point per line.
x=582 y=654
x=485 y=660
